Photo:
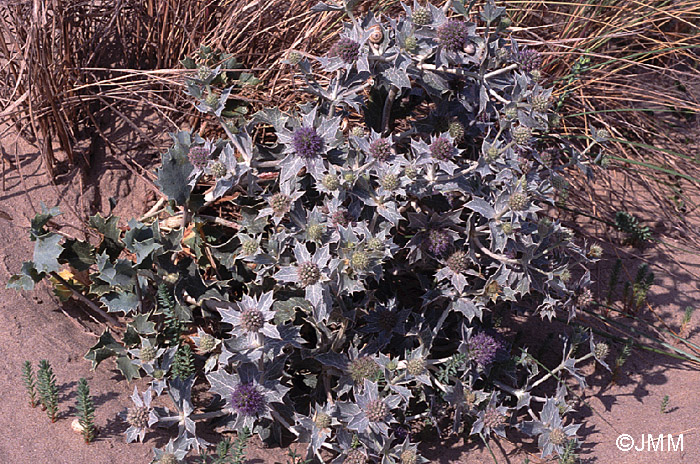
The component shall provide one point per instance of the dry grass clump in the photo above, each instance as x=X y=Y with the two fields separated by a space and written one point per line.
x=74 y=65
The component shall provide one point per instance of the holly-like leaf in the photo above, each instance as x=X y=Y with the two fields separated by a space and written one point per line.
x=111 y=235
x=175 y=170
x=46 y=252
x=27 y=277
x=105 y=347
x=128 y=369
x=79 y=255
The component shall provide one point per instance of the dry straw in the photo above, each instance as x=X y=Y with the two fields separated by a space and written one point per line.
x=73 y=66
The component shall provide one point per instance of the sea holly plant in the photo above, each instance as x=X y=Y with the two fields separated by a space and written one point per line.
x=337 y=271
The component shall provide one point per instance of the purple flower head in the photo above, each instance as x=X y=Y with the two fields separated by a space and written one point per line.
x=198 y=157
x=529 y=60
x=248 y=400
x=380 y=149
x=387 y=319
x=341 y=218
x=306 y=142
x=346 y=49
x=453 y=34
x=442 y=149
x=400 y=431
x=484 y=348
x=438 y=241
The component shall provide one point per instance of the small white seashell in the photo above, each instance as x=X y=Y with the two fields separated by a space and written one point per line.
x=75 y=425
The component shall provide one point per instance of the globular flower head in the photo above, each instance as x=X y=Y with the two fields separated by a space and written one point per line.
x=442 y=149
x=411 y=43
x=331 y=182
x=198 y=156
x=357 y=131
x=409 y=457
x=218 y=170
x=540 y=103
x=601 y=350
x=521 y=134
x=250 y=247
x=314 y=232
x=346 y=49
x=138 y=417
x=585 y=298
x=376 y=410
x=390 y=182
x=422 y=16
x=529 y=59
x=415 y=366
x=483 y=348
x=360 y=260
x=248 y=400
x=458 y=261
x=308 y=273
x=518 y=201
x=493 y=418
x=411 y=172
x=294 y=57
x=355 y=456
x=322 y=420
x=438 y=241
x=565 y=275
x=341 y=218
x=558 y=437
x=252 y=319
x=595 y=251
x=306 y=142
x=364 y=368
x=453 y=34
x=207 y=343
x=148 y=354
x=387 y=319
x=280 y=203
x=380 y=149
x=456 y=130
x=168 y=458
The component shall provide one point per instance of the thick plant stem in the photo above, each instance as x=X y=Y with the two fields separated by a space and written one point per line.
x=388 y=104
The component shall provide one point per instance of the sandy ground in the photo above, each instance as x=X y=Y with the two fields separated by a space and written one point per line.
x=33 y=327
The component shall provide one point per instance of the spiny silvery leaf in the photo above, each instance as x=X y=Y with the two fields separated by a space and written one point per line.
x=105 y=347
x=173 y=175
x=491 y=12
x=80 y=255
x=321 y=6
x=40 y=220
x=26 y=279
x=128 y=369
x=111 y=235
x=120 y=301
x=46 y=252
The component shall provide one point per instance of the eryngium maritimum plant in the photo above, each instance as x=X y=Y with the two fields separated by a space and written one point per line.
x=338 y=278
